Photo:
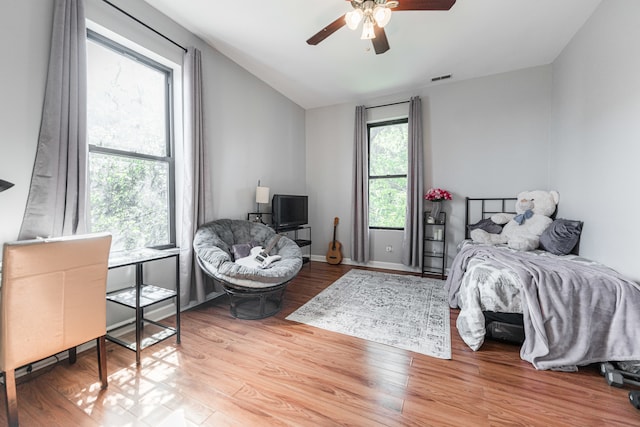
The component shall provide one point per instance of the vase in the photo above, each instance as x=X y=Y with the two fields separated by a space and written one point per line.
x=436 y=207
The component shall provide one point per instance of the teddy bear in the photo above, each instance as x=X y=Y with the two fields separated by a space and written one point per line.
x=522 y=231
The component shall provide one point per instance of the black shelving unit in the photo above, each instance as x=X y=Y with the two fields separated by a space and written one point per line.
x=140 y=296
x=263 y=217
x=434 y=245
x=302 y=241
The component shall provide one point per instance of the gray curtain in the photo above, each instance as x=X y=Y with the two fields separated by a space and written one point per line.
x=412 y=241
x=360 y=206
x=195 y=190
x=56 y=205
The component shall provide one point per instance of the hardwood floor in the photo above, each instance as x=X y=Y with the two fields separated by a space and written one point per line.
x=274 y=372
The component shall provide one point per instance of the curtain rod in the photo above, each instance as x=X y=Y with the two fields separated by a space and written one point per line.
x=387 y=105
x=143 y=24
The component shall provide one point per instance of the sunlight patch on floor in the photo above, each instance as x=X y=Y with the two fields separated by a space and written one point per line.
x=176 y=419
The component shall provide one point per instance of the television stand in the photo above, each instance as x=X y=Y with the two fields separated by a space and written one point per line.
x=303 y=241
x=263 y=217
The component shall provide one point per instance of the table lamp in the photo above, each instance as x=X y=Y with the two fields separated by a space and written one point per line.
x=262 y=196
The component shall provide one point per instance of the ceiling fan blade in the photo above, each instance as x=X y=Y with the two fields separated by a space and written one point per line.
x=380 y=42
x=425 y=5
x=327 y=31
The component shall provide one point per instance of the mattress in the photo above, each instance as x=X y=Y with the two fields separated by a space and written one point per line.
x=491 y=287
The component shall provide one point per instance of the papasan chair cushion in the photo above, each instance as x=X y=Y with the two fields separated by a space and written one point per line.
x=213 y=245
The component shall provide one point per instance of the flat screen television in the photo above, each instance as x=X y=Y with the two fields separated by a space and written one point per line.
x=289 y=211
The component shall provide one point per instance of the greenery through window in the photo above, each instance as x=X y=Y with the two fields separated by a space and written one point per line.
x=131 y=168
x=388 y=163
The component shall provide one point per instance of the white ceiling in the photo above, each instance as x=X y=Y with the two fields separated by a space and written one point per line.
x=475 y=38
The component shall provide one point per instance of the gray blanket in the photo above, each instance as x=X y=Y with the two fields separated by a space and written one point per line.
x=574 y=314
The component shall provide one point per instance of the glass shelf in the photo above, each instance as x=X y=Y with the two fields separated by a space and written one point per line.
x=141 y=295
x=434 y=245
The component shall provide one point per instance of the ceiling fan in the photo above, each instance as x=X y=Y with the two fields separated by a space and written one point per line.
x=374 y=15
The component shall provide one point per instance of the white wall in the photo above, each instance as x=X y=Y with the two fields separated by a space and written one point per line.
x=24 y=38
x=596 y=132
x=571 y=126
x=488 y=138
x=483 y=137
x=329 y=135
x=252 y=131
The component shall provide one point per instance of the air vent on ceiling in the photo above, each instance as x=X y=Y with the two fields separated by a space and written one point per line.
x=445 y=77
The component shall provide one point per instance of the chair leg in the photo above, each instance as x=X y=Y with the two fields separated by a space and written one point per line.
x=11 y=399
x=102 y=361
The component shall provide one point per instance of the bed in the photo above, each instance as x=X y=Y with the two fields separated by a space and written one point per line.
x=573 y=311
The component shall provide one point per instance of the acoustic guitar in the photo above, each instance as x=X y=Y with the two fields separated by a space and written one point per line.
x=334 y=254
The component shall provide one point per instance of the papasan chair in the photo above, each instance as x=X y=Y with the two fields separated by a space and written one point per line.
x=254 y=293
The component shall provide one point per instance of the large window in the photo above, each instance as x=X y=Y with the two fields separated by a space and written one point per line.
x=129 y=128
x=388 y=162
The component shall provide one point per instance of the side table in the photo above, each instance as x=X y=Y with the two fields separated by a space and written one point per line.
x=142 y=295
x=434 y=245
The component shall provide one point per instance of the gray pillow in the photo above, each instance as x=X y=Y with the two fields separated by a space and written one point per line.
x=241 y=250
x=561 y=236
x=486 y=225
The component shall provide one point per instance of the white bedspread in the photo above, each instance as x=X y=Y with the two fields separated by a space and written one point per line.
x=575 y=311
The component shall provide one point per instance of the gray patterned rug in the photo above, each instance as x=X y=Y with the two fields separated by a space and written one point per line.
x=402 y=311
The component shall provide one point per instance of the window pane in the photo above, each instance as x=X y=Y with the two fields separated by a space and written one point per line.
x=126 y=103
x=129 y=199
x=131 y=170
x=387 y=202
x=388 y=150
x=388 y=163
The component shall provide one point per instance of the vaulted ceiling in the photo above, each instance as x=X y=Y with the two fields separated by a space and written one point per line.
x=474 y=38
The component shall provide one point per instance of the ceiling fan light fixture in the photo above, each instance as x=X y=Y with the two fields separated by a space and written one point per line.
x=368 y=32
x=367 y=6
x=353 y=18
x=382 y=15
x=372 y=13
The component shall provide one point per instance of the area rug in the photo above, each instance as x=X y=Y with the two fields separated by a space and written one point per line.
x=402 y=311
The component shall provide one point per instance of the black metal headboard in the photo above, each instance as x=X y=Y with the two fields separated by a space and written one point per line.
x=481 y=208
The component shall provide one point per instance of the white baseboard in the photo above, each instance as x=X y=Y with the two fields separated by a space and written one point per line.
x=209 y=297
x=373 y=264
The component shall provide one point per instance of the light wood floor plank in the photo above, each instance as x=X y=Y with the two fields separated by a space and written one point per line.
x=274 y=372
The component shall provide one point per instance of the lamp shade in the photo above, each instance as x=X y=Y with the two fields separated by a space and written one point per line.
x=382 y=15
x=5 y=185
x=262 y=194
x=353 y=18
x=368 y=32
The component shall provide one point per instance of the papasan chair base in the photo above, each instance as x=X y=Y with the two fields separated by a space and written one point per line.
x=254 y=293
x=253 y=304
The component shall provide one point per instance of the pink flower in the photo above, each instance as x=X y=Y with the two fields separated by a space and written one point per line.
x=437 y=194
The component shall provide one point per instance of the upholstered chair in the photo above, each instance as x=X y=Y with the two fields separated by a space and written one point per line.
x=52 y=300
x=254 y=293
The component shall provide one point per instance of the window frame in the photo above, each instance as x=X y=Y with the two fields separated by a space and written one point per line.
x=404 y=120
x=170 y=155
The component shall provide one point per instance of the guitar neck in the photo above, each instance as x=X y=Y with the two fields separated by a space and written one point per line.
x=273 y=243
x=334 y=237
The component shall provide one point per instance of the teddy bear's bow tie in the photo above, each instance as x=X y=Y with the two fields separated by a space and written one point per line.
x=521 y=218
